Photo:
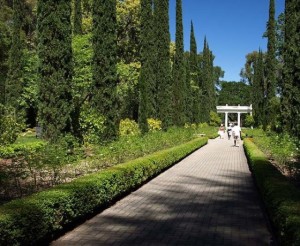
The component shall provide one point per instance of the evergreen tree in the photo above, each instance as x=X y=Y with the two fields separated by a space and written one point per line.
x=290 y=102
x=14 y=80
x=5 y=43
x=148 y=93
x=163 y=64
x=212 y=85
x=258 y=90
x=104 y=65
x=77 y=22
x=270 y=65
x=194 y=79
x=296 y=101
x=178 y=70
x=55 y=66
x=206 y=97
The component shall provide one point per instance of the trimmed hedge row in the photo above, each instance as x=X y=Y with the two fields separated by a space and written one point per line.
x=30 y=220
x=282 y=199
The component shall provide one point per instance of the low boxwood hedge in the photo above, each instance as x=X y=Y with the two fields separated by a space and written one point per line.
x=33 y=219
x=281 y=197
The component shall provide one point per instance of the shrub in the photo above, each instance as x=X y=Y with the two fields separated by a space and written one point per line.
x=281 y=147
x=92 y=125
x=32 y=219
x=215 y=120
x=9 y=127
x=249 y=121
x=129 y=128
x=19 y=149
x=154 y=125
x=282 y=199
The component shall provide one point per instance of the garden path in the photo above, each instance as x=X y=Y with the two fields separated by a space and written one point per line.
x=208 y=198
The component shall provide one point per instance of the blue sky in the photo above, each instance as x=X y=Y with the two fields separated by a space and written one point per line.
x=233 y=29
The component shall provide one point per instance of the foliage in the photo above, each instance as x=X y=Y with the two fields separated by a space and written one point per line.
x=30 y=89
x=31 y=220
x=247 y=72
x=82 y=79
x=127 y=89
x=290 y=102
x=179 y=88
x=147 y=83
x=163 y=64
x=208 y=97
x=270 y=66
x=104 y=67
x=92 y=125
x=234 y=93
x=77 y=21
x=9 y=126
x=19 y=150
x=249 y=121
x=14 y=82
x=193 y=81
x=5 y=41
x=129 y=128
x=82 y=53
x=281 y=147
x=258 y=90
x=281 y=198
x=55 y=67
x=129 y=30
x=154 y=124
x=215 y=119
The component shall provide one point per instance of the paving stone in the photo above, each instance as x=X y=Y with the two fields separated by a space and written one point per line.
x=206 y=199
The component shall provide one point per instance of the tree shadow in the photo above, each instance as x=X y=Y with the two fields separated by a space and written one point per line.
x=223 y=210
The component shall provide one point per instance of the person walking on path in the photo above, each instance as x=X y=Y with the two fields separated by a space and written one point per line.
x=236 y=133
x=229 y=131
x=221 y=131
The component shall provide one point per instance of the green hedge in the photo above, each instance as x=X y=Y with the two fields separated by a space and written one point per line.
x=32 y=219
x=282 y=198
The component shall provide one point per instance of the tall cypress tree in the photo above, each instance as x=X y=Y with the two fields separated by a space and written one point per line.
x=205 y=84
x=163 y=64
x=194 y=76
x=270 y=64
x=296 y=101
x=147 y=85
x=77 y=21
x=178 y=70
x=287 y=77
x=14 y=80
x=290 y=102
x=212 y=89
x=258 y=90
x=55 y=66
x=105 y=78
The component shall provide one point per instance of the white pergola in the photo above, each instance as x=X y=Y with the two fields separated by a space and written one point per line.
x=236 y=110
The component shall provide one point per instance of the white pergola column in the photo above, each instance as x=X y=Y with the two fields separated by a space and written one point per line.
x=239 y=119
x=226 y=120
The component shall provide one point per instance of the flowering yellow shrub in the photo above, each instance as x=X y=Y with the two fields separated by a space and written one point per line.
x=129 y=127
x=154 y=124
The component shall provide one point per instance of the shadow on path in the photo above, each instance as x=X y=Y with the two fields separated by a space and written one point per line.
x=196 y=202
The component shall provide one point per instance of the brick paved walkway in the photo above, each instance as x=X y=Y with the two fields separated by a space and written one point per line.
x=206 y=199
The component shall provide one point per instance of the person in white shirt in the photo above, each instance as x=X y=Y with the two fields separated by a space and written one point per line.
x=229 y=131
x=236 y=133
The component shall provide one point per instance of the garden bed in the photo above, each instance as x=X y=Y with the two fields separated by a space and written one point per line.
x=40 y=216
x=280 y=196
